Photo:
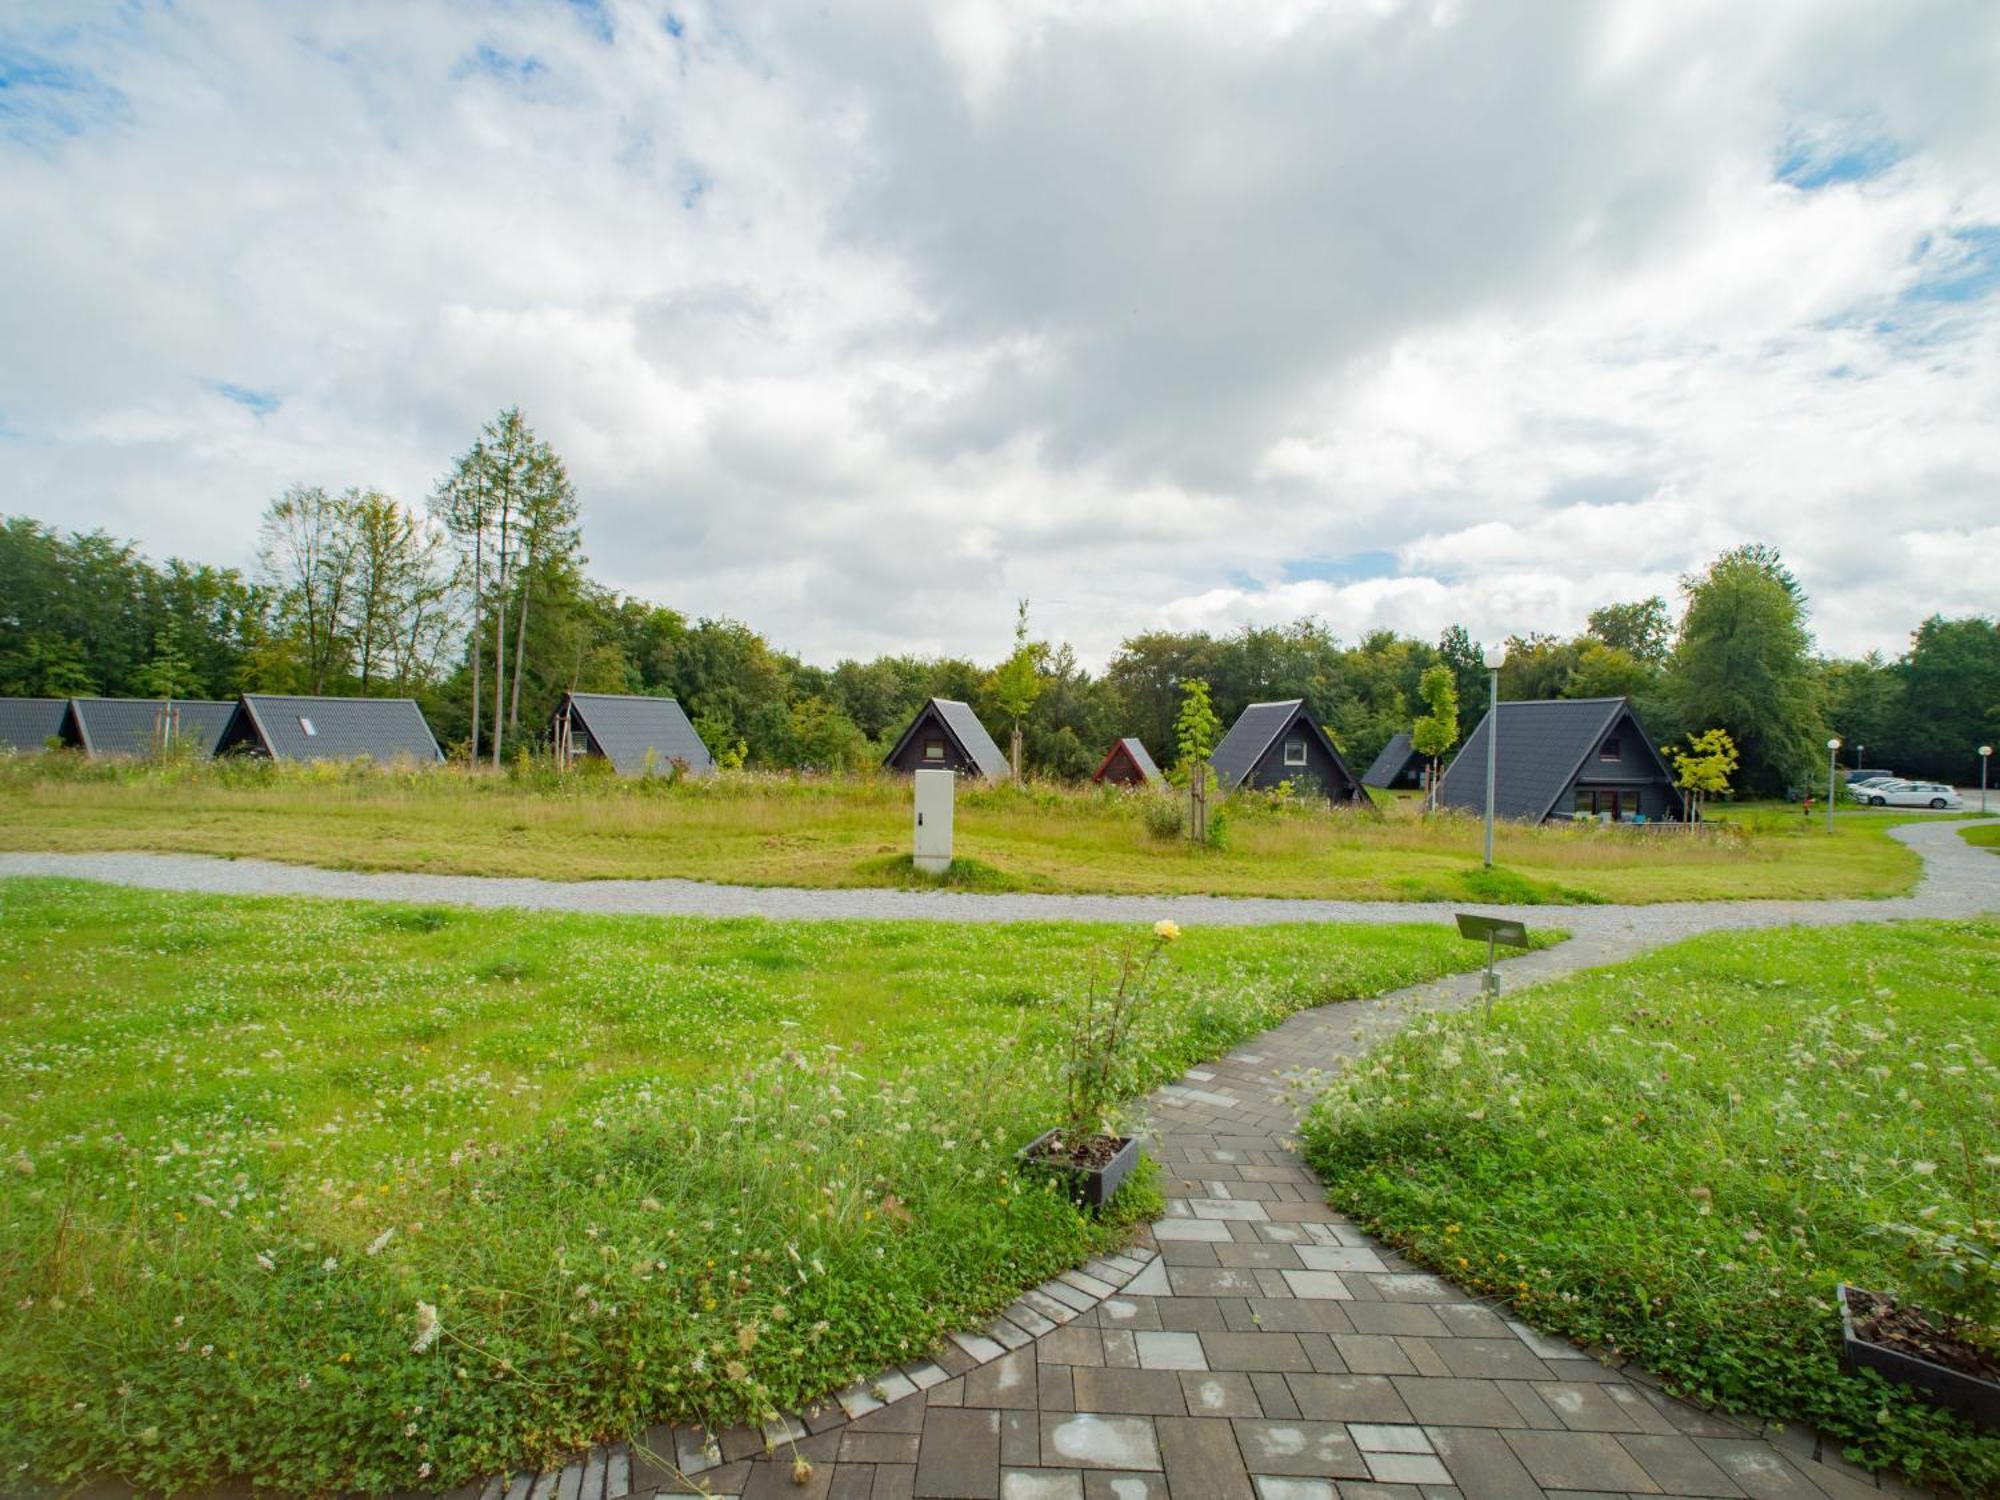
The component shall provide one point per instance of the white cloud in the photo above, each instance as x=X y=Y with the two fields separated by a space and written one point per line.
x=857 y=324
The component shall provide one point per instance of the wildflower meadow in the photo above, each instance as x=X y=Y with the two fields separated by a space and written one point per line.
x=1681 y=1158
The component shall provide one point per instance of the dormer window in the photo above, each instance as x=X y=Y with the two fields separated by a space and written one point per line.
x=1609 y=750
x=1295 y=752
x=933 y=749
x=308 y=726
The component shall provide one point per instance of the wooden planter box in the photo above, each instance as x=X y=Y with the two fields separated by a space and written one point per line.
x=1090 y=1186
x=1976 y=1398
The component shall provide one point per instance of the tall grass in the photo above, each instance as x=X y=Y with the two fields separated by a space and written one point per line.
x=795 y=829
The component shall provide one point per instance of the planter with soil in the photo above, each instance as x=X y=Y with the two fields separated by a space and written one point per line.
x=1093 y=1166
x=1913 y=1348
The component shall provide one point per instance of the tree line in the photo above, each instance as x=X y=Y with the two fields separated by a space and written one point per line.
x=477 y=602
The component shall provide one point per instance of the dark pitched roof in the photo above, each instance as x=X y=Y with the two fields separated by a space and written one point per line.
x=963 y=725
x=1253 y=732
x=1391 y=763
x=28 y=724
x=1543 y=745
x=1133 y=746
x=131 y=726
x=973 y=738
x=626 y=727
x=340 y=728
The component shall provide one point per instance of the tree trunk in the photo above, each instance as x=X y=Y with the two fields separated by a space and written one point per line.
x=500 y=646
x=478 y=646
x=520 y=654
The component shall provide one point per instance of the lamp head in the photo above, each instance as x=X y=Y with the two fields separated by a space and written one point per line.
x=1985 y=749
x=1833 y=744
x=1495 y=658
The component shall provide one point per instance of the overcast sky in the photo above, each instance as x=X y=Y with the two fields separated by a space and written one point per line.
x=857 y=321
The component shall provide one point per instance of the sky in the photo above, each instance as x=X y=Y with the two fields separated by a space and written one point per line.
x=860 y=321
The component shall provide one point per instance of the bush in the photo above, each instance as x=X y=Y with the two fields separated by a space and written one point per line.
x=1163 y=816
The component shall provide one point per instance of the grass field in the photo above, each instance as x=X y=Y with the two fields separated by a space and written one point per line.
x=854 y=832
x=1983 y=838
x=638 y=1168
x=1681 y=1157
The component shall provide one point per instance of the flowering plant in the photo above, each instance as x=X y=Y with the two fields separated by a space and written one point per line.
x=1100 y=1027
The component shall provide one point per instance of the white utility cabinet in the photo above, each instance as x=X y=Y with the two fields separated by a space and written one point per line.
x=932 y=829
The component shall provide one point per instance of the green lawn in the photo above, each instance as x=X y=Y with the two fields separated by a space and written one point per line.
x=1987 y=837
x=1680 y=1157
x=641 y=1168
x=855 y=832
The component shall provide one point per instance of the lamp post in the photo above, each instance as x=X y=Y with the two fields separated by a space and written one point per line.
x=1496 y=658
x=1985 y=754
x=1832 y=750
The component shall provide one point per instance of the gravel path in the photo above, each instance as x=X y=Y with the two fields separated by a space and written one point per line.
x=1959 y=880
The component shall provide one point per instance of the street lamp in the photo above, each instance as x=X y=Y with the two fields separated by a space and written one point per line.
x=1832 y=749
x=1496 y=658
x=1985 y=754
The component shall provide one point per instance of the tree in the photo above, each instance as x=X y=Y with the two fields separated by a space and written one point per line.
x=1196 y=729
x=1643 y=630
x=1743 y=663
x=1702 y=769
x=1437 y=731
x=306 y=551
x=1602 y=671
x=398 y=590
x=1459 y=651
x=1951 y=681
x=1017 y=682
x=824 y=738
x=463 y=502
x=167 y=675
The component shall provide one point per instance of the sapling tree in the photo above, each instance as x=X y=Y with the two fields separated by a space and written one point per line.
x=1196 y=729
x=1017 y=682
x=1701 y=769
x=1437 y=731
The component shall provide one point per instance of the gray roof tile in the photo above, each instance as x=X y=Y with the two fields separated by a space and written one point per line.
x=131 y=726
x=1136 y=748
x=1542 y=748
x=1391 y=763
x=626 y=727
x=300 y=728
x=28 y=724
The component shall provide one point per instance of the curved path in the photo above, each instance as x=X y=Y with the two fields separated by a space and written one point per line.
x=1252 y=1344
x=1958 y=879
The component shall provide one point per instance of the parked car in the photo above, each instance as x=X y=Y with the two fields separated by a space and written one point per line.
x=1913 y=794
x=1859 y=789
x=1856 y=777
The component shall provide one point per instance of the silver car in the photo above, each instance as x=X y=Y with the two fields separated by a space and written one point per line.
x=1932 y=794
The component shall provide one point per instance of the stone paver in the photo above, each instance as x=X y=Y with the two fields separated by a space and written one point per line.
x=1252 y=1344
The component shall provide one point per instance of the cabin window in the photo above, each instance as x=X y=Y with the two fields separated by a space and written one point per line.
x=308 y=726
x=933 y=749
x=1609 y=750
x=1295 y=752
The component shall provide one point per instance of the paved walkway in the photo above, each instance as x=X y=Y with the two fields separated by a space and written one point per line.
x=1252 y=1344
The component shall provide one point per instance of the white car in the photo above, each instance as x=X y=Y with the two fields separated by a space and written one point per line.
x=1931 y=794
x=1859 y=790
